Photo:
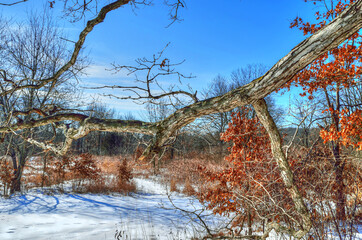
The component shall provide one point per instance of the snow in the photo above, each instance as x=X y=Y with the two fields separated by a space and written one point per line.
x=147 y=214
x=144 y=215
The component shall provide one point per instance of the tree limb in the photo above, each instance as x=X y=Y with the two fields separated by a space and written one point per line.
x=261 y=109
x=77 y=48
x=328 y=38
x=13 y=3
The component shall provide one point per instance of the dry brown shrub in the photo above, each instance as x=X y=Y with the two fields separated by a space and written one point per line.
x=188 y=188
x=124 y=178
x=181 y=170
x=58 y=169
x=124 y=173
x=123 y=187
x=6 y=175
x=173 y=186
x=34 y=180
x=110 y=165
x=120 y=183
x=84 y=167
x=87 y=173
x=107 y=164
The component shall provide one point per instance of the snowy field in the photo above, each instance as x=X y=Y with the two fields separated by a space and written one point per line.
x=145 y=215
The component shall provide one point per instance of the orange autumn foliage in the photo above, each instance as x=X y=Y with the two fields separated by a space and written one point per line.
x=351 y=130
x=252 y=175
x=332 y=72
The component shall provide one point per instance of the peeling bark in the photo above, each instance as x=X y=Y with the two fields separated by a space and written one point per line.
x=328 y=38
x=332 y=35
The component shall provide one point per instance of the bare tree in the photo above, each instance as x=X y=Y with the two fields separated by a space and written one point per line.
x=214 y=124
x=31 y=51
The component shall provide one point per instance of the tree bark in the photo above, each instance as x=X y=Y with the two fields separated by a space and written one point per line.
x=332 y=35
x=340 y=186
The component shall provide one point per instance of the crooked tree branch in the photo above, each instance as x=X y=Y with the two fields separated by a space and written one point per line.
x=13 y=3
x=332 y=35
x=78 y=46
x=154 y=69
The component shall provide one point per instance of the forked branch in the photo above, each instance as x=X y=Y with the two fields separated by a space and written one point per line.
x=148 y=88
x=77 y=48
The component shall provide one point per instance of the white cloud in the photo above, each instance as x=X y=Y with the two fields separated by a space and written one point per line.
x=103 y=72
x=121 y=106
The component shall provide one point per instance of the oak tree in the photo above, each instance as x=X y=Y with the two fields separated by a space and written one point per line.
x=328 y=77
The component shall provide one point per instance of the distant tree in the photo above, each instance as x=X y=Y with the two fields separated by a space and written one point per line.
x=30 y=51
x=215 y=124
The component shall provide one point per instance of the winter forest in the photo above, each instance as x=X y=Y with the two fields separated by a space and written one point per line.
x=126 y=119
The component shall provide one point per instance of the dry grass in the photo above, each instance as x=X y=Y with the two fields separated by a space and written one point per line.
x=86 y=173
x=106 y=174
x=186 y=173
x=173 y=186
x=188 y=190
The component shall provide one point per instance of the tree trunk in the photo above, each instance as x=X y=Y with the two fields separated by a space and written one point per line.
x=340 y=186
x=22 y=153
x=250 y=229
x=15 y=181
x=261 y=109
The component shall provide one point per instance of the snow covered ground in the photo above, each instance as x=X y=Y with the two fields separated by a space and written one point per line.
x=144 y=215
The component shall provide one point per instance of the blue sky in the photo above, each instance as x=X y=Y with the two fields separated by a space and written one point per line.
x=215 y=37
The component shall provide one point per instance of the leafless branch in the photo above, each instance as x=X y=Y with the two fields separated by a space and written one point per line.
x=13 y=3
x=294 y=135
x=77 y=48
x=155 y=69
x=175 y=6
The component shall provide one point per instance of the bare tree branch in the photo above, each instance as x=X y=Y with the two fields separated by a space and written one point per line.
x=175 y=6
x=13 y=3
x=77 y=48
x=154 y=69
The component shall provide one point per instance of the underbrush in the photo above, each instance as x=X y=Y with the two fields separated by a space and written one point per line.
x=84 y=173
x=184 y=175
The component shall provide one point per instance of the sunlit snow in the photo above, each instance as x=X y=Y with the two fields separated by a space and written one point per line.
x=144 y=215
